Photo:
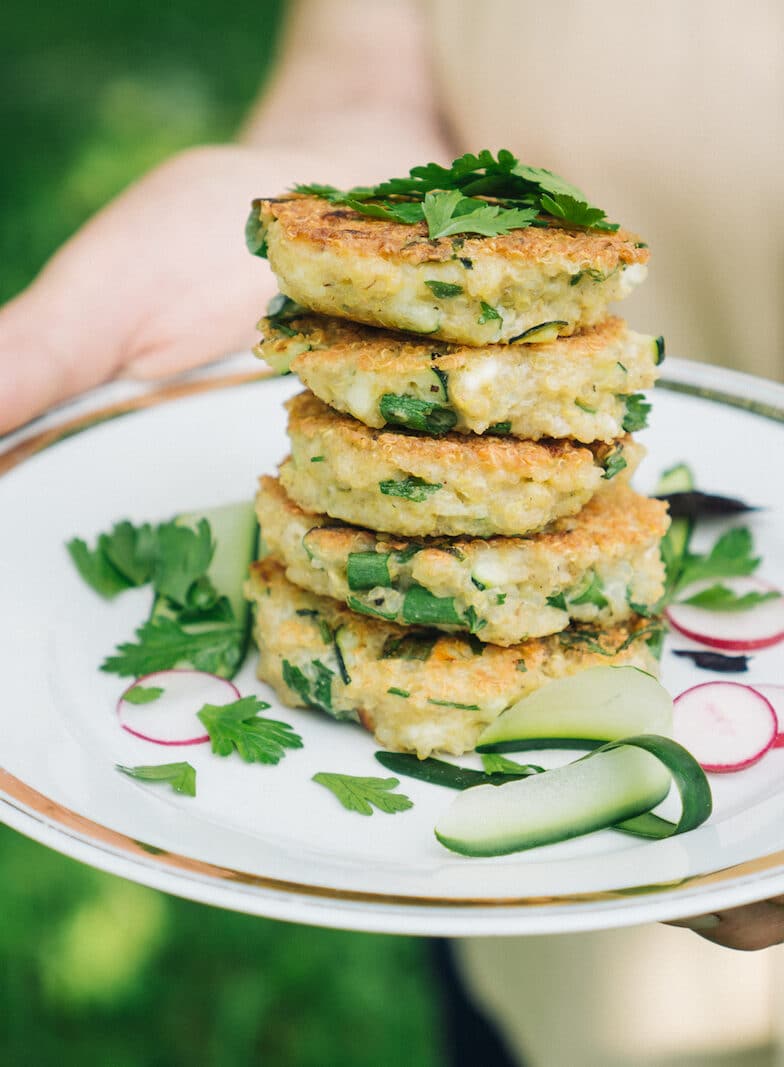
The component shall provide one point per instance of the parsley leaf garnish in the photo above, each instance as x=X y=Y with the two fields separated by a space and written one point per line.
x=443 y=290
x=180 y=776
x=183 y=557
x=414 y=645
x=721 y=598
x=324 y=192
x=96 y=569
x=316 y=690
x=730 y=557
x=449 y=213
x=132 y=550
x=364 y=794
x=592 y=594
x=422 y=415
x=488 y=313
x=575 y=212
x=391 y=210
x=238 y=727
x=163 y=643
x=613 y=463
x=280 y=311
x=174 y=557
x=141 y=694
x=547 y=181
x=450 y=198
x=255 y=236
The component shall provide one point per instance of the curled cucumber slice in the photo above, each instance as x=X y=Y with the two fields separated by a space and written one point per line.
x=596 y=705
x=620 y=781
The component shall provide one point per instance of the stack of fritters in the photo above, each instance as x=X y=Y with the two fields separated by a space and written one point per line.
x=454 y=525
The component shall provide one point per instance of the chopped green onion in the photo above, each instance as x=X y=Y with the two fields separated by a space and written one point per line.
x=422 y=607
x=366 y=570
x=415 y=489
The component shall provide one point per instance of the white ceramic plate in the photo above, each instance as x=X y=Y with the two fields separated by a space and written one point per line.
x=267 y=840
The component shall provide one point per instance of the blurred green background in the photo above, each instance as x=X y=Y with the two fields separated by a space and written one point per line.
x=95 y=970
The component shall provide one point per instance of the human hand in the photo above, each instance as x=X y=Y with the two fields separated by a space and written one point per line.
x=158 y=281
x=748 y=928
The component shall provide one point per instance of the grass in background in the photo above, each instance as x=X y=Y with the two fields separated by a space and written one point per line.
x=100 y=972
x=92 y=95
x=96 y=971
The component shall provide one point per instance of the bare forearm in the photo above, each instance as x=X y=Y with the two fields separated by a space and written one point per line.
x=354 y=81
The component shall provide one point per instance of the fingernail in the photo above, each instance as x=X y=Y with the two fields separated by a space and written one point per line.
x=703 y=922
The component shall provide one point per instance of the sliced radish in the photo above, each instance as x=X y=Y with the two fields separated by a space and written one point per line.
x=725 y=725
x=162 y=707
x=734 y=631
x=774 y=694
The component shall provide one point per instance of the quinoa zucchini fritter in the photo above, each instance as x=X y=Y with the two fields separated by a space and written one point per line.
x=584 y=387
x=469 y=289
x=430 y=486
x=415 y=689
x=590 y=568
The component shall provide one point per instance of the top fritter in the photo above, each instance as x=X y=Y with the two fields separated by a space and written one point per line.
x=471 y=289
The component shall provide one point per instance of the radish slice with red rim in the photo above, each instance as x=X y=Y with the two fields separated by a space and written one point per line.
x=162 y=707
x=733 y=631
x=725 y=725
x=774 y=694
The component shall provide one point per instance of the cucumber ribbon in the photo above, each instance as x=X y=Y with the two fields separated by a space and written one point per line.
x=688 y=776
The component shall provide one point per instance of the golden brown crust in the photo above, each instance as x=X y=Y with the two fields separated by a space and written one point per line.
x=373 y=349
x=439 y=701
x=537 y=460
x=452 y=648
x=619 y=516
x=326 y=225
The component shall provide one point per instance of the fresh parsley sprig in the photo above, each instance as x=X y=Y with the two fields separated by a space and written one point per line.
x=180 y=776
x=479 y=193
x=191 y=623
x=721 y=598
x=730 y=557
x=238 y=727
x=162 y=643
x=363 y=794
x=173 y=557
